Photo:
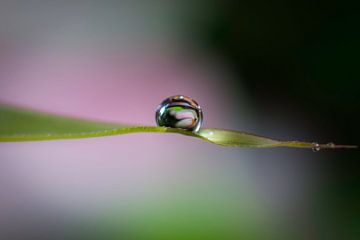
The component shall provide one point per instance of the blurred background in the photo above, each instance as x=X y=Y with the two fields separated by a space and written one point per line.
x=283 y=69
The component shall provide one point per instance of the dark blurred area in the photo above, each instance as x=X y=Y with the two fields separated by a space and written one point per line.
x=300 y=57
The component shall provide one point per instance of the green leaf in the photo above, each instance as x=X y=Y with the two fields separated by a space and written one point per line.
x=18 y=124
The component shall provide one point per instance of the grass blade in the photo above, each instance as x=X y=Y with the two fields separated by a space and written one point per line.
x=18 y=124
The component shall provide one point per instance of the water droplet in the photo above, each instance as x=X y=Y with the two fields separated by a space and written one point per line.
x=179 y=112
x=316 y=147
x=330 y=145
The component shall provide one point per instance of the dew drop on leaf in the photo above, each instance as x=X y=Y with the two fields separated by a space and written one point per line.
x=316 y=147
x=179 y=112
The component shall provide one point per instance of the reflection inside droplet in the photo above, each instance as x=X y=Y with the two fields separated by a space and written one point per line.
x=316 y=147
x=179 y=112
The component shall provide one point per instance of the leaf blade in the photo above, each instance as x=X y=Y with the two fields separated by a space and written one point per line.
x=18 y=124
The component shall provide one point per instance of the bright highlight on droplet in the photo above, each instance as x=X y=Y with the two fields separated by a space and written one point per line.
x=179 y=112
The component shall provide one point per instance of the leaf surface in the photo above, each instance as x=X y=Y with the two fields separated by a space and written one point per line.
x=19 y=124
